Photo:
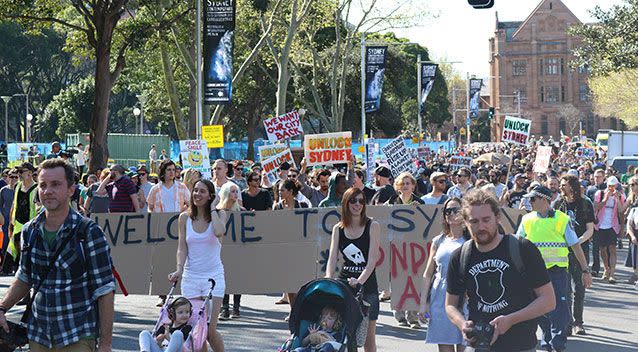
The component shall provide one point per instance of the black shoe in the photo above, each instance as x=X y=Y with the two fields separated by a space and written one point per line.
x=235 y=314
x=619 y=244
x=224 y=314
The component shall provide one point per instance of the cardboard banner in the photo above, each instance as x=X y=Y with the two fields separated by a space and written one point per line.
x=257 y=248
x=475 y=96
x=543 y=157
x=428 y=73
x=516 y=130
x=271 y=164
x=328 y=148
x=219 y=27
x=194 y=155
x=375 y=67
x=399 y=157
x=457 y=162
x=585 y=153
x=213 y=135
x=269 y=150
x=283 y=127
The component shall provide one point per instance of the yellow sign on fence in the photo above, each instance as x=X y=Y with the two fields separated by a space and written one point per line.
x=213 y=135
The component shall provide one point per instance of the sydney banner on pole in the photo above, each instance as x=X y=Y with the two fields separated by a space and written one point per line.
x=219 y=27
x=428 y=73
x=475 y=96
x=375 y=67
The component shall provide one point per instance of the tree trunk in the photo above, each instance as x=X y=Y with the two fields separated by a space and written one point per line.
x=171 y=90
x=99 y=151
x=251 y=126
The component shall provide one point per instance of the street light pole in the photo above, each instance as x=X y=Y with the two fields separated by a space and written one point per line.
x=28 y=129
x=142 y=100
x=6 y=99
x=363 y=88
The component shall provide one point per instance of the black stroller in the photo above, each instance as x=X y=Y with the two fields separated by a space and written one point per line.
x=311 y=299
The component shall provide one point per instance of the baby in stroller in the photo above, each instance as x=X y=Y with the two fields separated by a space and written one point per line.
x=323 y=337
x=173 y=334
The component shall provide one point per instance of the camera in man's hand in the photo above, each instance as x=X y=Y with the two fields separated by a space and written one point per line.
x=483 y=332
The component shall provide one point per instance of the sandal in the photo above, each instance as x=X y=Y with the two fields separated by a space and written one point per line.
x=281 y=301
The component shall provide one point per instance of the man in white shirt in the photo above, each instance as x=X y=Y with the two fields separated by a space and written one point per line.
x=152 y=158
x=169 y=195
x=80 y=158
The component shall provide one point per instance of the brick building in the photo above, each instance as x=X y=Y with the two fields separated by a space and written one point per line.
x=533 y=58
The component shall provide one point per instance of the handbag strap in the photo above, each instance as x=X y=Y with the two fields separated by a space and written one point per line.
x=45 y=273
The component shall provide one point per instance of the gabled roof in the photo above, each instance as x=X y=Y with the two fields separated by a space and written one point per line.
x=555 y=2
x=504 y=25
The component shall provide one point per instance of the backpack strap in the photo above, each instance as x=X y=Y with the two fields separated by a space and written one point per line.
x=466 y=252
x=514 y=247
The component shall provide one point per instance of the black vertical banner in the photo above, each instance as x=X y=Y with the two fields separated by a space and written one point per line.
x=475 y=96
x=428 y=73
x=219 y=28
x=375 y=66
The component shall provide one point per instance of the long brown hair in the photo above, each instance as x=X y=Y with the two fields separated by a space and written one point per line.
x=192 y=209
x=346 y=215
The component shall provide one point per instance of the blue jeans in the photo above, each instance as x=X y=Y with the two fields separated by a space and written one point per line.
x=554 y=324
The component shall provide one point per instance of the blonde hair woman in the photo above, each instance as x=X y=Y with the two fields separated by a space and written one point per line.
x=228 y=197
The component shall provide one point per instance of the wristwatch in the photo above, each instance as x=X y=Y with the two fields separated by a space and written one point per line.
x=587 y=271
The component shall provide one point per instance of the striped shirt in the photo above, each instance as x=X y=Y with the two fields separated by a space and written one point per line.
x=120 y=192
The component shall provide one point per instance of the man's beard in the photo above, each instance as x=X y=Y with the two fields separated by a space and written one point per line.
x=485 y=237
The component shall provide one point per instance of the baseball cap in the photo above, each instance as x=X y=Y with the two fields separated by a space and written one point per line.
x=383 y=171
x=612 y=181
x=573 y=172
x=436 y=175
x=118 y=168
x=540 y=191
x=519 y=176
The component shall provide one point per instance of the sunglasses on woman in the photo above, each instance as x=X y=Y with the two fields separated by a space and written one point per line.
x=451 y=210
x=354 y=201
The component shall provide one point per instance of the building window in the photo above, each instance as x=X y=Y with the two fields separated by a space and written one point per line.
x=551 y=94
x=542 y=94
x=562 y=66
x=583 y=92
x=562 y=94
x=562 y=125
x=519 y=68
x=544 y=125
x=523 y=95
x=552 y=66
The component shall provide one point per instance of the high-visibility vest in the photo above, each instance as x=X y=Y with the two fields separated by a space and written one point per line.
x=548 y=234
x=17 y=226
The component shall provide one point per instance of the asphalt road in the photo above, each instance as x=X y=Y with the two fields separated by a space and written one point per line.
x=611 y=321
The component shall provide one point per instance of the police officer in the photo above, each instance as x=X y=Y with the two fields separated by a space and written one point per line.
x=551 y=232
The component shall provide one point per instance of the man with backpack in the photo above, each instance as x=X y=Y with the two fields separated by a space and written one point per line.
x=550 y=230
x=504 y=278
x=67 y=262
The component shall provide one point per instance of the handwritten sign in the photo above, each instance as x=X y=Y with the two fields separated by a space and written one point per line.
x=283 y=127
x=516 y=130
x=213 y=135
x=399 y=157
x=195 y=156
x=271 y=165
x=269 y=150
x=328 y=148
x=543 y=157
x=143 y=248
x=585 y=153
x=457 y=162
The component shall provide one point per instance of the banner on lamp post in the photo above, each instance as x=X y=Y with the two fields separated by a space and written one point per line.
x=375 y=67
x=428 y=74
x=219 y=27
x=475 y=96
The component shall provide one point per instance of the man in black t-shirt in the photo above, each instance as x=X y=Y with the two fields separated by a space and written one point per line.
x=254 y=197
x=498 y=293
x=385 y=191
x=581 y=213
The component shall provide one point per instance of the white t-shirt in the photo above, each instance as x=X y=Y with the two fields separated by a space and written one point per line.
x=80 y=160
x=168 y=198
x=608 y=214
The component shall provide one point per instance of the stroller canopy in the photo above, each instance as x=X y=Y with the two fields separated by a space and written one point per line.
x=316 y=294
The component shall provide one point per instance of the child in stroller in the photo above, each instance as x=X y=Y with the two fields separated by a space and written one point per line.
x=324 y=337
x=179 y=312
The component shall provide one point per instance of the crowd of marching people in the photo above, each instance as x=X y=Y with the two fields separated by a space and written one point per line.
x=578 y=213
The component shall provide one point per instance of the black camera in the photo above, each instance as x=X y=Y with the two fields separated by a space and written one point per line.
x=17 y=337
x=483 y=332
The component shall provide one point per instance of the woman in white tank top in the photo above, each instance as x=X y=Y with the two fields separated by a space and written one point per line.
x=201 y=229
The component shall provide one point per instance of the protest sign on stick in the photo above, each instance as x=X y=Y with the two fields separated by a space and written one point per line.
x=213 y=135
x=283 y=127
x=399 y=157
x=458 y=161
x=328 y=148
x=585 y=153
x=269 y=150
x=271 y=165
x=543 y=157
x=195 y=156
x=516 y=130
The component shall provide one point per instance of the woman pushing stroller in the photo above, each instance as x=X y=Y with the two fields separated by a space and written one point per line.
x=357 y=237
x=201 y=229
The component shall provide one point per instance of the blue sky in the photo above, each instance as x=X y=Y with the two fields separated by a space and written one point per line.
x=461 y=33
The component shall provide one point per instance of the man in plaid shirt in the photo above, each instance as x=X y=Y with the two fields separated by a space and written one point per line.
x=74 y=306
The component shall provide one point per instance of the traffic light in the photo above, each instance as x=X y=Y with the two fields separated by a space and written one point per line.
x=490 y=113
x=481 y=4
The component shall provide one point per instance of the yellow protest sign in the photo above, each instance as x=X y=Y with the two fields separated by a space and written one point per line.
x=213 y=135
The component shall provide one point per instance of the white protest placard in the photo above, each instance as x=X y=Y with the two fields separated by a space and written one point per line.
x=543 y=157
x=270 y=150
x=585 y=153
x=271 y=165
x=458 y=161
x=371 y=151
x=399 y=157
x=423 y=152
x=283 y=126
x=516 y=130
x=195 y=156
x=328 y=148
